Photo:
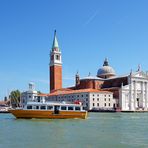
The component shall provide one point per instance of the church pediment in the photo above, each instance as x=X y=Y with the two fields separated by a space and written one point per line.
x=140 y=74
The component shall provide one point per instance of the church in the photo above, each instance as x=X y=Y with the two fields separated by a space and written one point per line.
x=104 y=92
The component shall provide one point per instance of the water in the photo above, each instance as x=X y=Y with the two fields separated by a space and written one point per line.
x=100 y=130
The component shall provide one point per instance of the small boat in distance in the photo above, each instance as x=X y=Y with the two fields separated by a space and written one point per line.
x=50 y=110
x=4 y=108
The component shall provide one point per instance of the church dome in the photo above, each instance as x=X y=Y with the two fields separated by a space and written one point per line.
x=106 y=71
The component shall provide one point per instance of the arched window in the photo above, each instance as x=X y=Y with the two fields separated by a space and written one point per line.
x=57 y=57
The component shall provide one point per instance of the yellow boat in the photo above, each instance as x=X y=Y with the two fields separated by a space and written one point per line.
x=50 y=110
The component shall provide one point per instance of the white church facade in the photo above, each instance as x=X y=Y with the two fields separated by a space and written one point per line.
x=134 y=96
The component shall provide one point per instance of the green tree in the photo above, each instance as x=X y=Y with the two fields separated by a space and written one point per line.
x=39 y=92
x=15 y=98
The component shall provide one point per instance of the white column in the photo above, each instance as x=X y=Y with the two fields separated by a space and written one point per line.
x=142 y=89
x=130 y=96
x=146 y=95
x=120 y=98
x=135 y=95
x=131 y=102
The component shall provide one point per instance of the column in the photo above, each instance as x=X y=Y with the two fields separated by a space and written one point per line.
x=131 y=107
x=135 y=94
x=142 y=89
x=146 y=95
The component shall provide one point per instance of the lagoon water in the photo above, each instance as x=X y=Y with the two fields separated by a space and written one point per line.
x=100 y=130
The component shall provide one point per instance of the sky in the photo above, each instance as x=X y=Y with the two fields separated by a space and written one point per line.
x=88 y=31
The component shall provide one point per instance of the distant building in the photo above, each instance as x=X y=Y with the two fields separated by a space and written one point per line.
x=29 y=95
x=32 y=95
x=3 y=103
x=91 y=99
x=4 y=106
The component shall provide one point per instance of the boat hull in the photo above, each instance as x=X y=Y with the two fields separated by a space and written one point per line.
x=48 y=114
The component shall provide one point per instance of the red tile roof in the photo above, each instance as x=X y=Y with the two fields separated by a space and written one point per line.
x=65 y=92
x=42 y=95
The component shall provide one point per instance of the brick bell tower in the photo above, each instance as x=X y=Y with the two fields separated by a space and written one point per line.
x=55 y=66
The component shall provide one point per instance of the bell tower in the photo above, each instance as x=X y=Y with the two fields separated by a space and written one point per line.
x=55 y=66
x=77 y=79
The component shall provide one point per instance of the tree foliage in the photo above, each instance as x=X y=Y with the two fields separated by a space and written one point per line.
x=15 y=98
x=39 y=92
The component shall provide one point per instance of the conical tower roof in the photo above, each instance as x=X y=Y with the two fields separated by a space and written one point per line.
x=55 y=44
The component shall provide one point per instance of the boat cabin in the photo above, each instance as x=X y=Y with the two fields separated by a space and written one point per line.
x=56 y=107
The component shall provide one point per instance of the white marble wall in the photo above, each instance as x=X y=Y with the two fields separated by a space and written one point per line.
x=134 y=96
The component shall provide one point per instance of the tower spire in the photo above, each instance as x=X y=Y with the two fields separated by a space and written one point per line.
x=77 y=79
x=139 y=68
x=55 y=45
x=106 y=62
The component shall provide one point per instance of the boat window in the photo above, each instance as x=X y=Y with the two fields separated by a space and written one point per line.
x=43 y=107
x=50 y=107
x=77 y=108
x=70 y=107
x=29 y=107
x=63 y=108
x=37 y=107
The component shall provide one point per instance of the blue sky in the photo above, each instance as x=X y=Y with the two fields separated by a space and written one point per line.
x=87 y=31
